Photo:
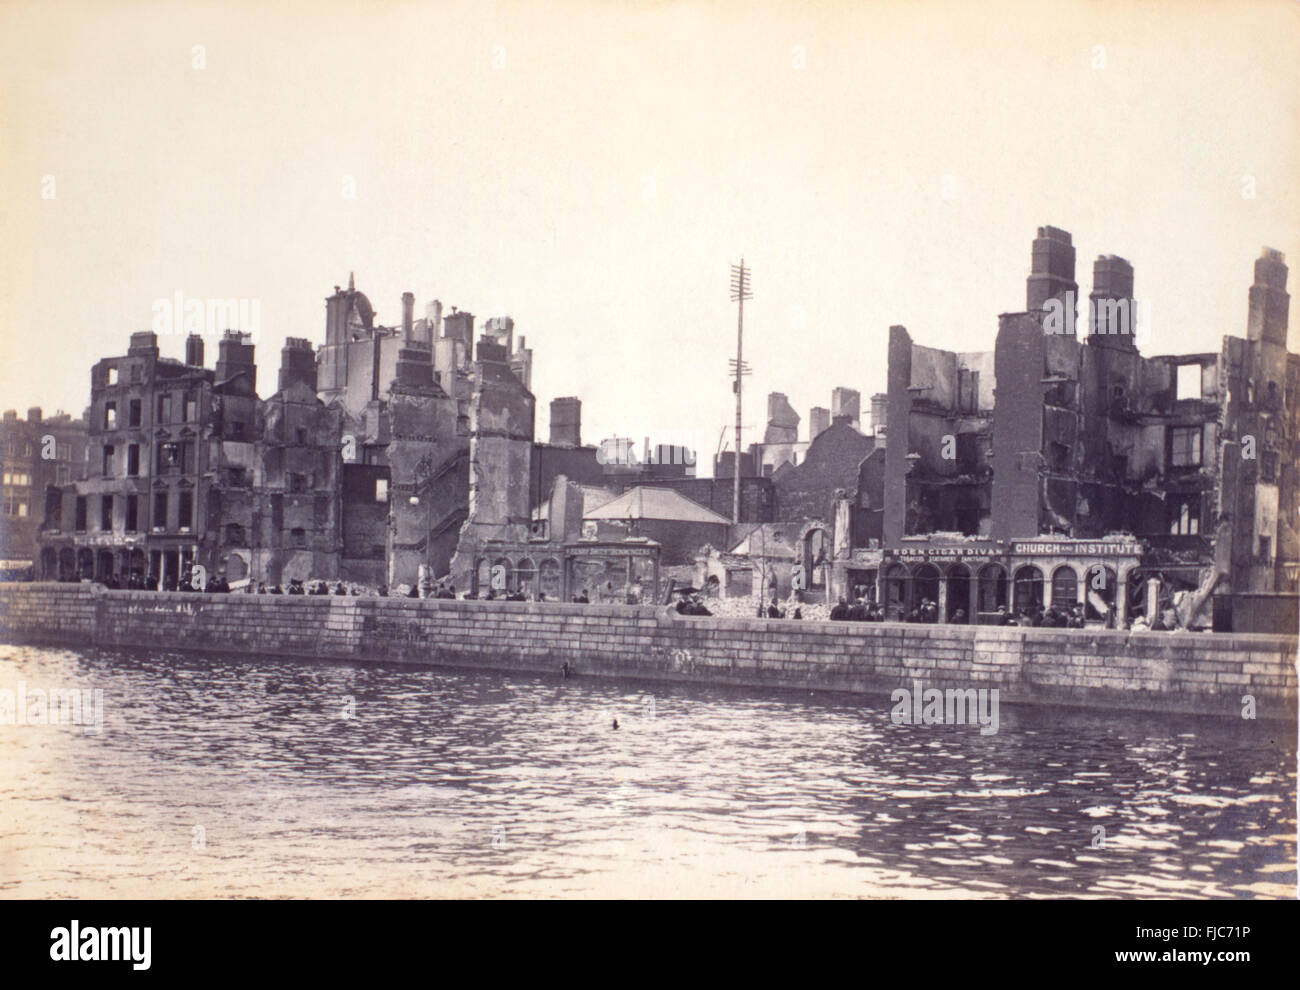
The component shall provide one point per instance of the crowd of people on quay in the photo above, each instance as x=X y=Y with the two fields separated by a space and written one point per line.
x=689 y=601
x=862 y=610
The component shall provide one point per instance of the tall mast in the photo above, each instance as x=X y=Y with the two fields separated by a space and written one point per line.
x=739 y=293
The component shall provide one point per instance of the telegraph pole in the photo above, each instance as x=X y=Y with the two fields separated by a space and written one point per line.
x=739 y=293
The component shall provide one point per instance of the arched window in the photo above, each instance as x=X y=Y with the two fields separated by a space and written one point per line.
x=925 y=584
x=526 y=576
x=816 y=557
x=1065 y=587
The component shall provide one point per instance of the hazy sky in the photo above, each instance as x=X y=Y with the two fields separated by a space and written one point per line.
x=593 y=169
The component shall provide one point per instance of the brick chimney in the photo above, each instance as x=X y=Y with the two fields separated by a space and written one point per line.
x=1052 y=268
x=194 y=351
x=297 y=363
x=234 y=355
x=1112 y=312
x=566 y=422
x=1269 y=302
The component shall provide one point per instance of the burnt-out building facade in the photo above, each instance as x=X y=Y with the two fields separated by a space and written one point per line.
x=282 y=520
x=437 y=438
x=1181 y=466
x=402 y=394
x=139 y=509
x=1257 y=540
x=187 y=466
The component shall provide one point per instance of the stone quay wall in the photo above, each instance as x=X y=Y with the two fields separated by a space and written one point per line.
x=1176 y=672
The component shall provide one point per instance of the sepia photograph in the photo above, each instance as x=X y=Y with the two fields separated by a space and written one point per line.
x=663 y=450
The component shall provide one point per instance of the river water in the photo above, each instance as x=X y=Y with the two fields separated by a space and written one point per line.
x=228 y=776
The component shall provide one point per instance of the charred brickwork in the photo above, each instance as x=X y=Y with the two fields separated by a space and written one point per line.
x=1258 y=541
x=502 y=412
x=943 y=401
x=869 y=511
x=427 y=423
x=295 y=527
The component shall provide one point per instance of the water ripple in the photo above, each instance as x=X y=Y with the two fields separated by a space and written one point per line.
x=239 y=777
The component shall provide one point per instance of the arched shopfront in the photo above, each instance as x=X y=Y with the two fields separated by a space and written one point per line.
x=959 y=585
x=925 y=585
x=1028 y=589
x=1021 y=577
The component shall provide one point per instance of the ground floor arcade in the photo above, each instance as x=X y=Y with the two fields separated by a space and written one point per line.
x=983 y=584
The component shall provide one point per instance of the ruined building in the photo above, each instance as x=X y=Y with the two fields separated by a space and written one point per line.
x=187 y=466
x=437 y=435
x=1072 y=469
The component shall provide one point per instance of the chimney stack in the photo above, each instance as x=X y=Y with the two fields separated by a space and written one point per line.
x=34 y=414
x=879 y=408
x=144 y=344
x=502 y=330
x=194 y=351
x=566 y=422
x=408 y=316
x=433 y=317
x=1112 y=311
x=234 y=355
x=297 y=363
x=1052 y=269
x=818 y=420
x=460 y=326
x=846 y=405
x=1269 y=301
